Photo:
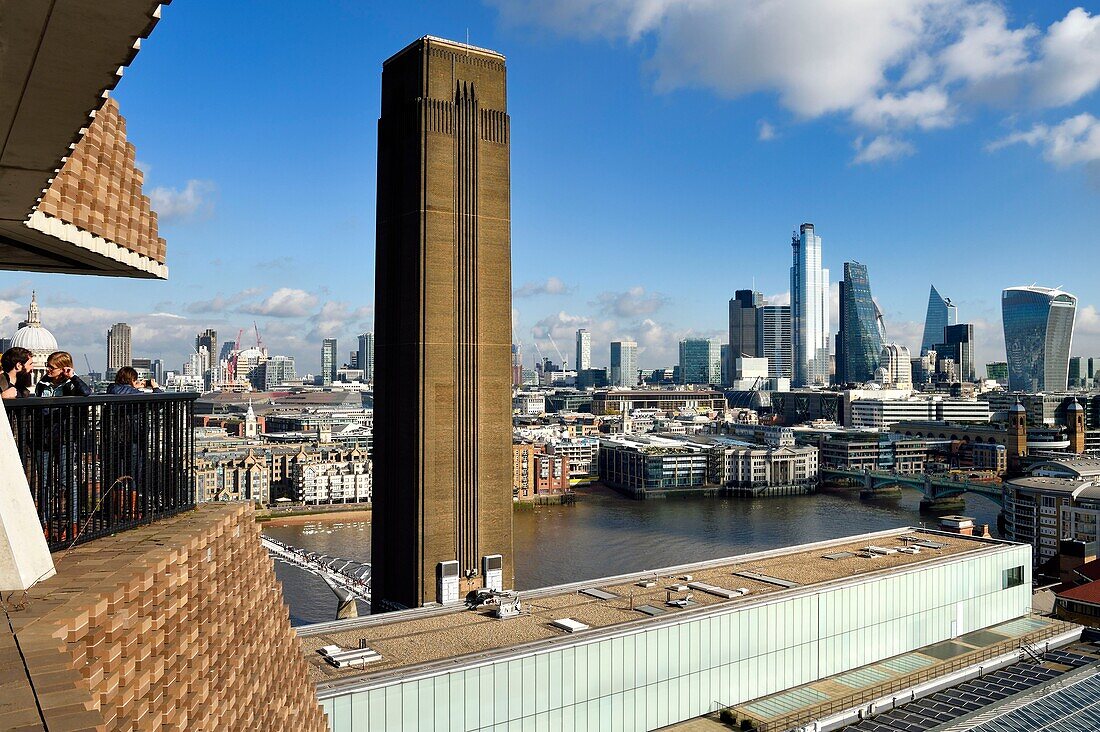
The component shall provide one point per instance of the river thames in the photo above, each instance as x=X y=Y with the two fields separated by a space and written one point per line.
x=604 y=534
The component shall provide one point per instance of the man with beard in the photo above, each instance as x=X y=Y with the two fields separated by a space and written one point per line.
x=15 y=373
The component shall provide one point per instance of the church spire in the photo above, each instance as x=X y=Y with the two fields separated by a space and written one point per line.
x=32 y=311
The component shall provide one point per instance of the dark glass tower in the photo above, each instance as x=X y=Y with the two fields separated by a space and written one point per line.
x=443 y=431
x=860 y=340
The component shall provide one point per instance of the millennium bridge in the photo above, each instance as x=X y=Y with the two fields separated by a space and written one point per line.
x=349 y=579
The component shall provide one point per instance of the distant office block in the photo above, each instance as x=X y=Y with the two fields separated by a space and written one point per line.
x=624 y=363
x=119 y=352
x=997 y=370
x=584 y=350
x=700 y=361
x=773 y=339
x=958 y=345
x=328 y=361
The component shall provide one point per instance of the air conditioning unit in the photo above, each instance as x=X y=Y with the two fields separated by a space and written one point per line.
x=492 y=569
x=447 y=583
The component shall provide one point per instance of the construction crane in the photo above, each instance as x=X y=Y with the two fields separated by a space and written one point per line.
x=259 y=343
x=89 y=363
x=564 y=365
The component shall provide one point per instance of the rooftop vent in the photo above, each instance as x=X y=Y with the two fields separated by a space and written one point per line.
x=719 y=591
x=909 y=549
x=569 y=625
x=647 y=583
x=598 y=593
x=342 y=658
x=766 y=579
x=837 y=555
x=880 y=551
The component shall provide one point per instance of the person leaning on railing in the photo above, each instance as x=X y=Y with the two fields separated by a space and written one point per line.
x=15 y=373
x=127 y=382
x=60 y=379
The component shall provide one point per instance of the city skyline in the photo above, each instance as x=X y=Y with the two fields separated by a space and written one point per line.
x=721 y=198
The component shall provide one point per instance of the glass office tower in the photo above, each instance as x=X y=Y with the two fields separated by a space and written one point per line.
x=624 y=363
x=700 y=361
x=941 y=313
x=809 y=310
x=1038 y=325
x=861 y=340
x=773 y=339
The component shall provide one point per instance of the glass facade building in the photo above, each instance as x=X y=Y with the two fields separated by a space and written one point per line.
x=1038 y=328
x=659 y=671
x=860 y=341
x=700 y=361
x=941 y=313
x=624 y=363
x=773 y=339
x=809 y=310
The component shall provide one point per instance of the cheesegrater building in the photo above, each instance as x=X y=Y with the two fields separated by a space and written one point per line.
x=442 y=451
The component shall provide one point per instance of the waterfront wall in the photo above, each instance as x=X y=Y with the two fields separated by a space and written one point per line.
x=646 y=678
x=176 y=625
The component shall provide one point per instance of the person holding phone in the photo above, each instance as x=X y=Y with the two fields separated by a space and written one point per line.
x=60 y=379
x=127 y=382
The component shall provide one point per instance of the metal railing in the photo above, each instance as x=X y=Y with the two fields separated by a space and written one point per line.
x=102 y=464
x=800 y=718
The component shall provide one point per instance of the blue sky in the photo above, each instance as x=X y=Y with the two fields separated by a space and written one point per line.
x=662 y=153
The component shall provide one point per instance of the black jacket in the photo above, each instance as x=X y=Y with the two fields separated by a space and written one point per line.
x=69 y=387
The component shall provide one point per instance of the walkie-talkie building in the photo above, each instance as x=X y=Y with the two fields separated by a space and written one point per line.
x=1038 y=323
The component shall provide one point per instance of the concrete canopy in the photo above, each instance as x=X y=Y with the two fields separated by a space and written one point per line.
x=58 y=60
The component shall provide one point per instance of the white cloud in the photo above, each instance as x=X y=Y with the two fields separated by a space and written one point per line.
x=633 y=303
x=552 y=286
x=195 y=201
x=987 y=47
x=1072 y=141
x=1069 y=67
x=880 y=149
x=927 y=108
x=286 y=302
x=884 y=65
x=765 y=131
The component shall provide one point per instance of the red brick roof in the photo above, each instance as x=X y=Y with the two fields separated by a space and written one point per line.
x=1089 y=593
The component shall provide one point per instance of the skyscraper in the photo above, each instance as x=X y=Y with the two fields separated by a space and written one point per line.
x=860 y=340
x=1038 y=325
x=941 y=313
x=773 y=339
x=208 y=338
x=624 y=363
x=809 y=310
x=443 y=429
x=744 y=317
x=366 y=355
x=958 y=345
x=584 y=350
x=118 y=347
x=517 y=365
x=897 y=364
x=1075 y=377
x=328 y=361
x=700 y=361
